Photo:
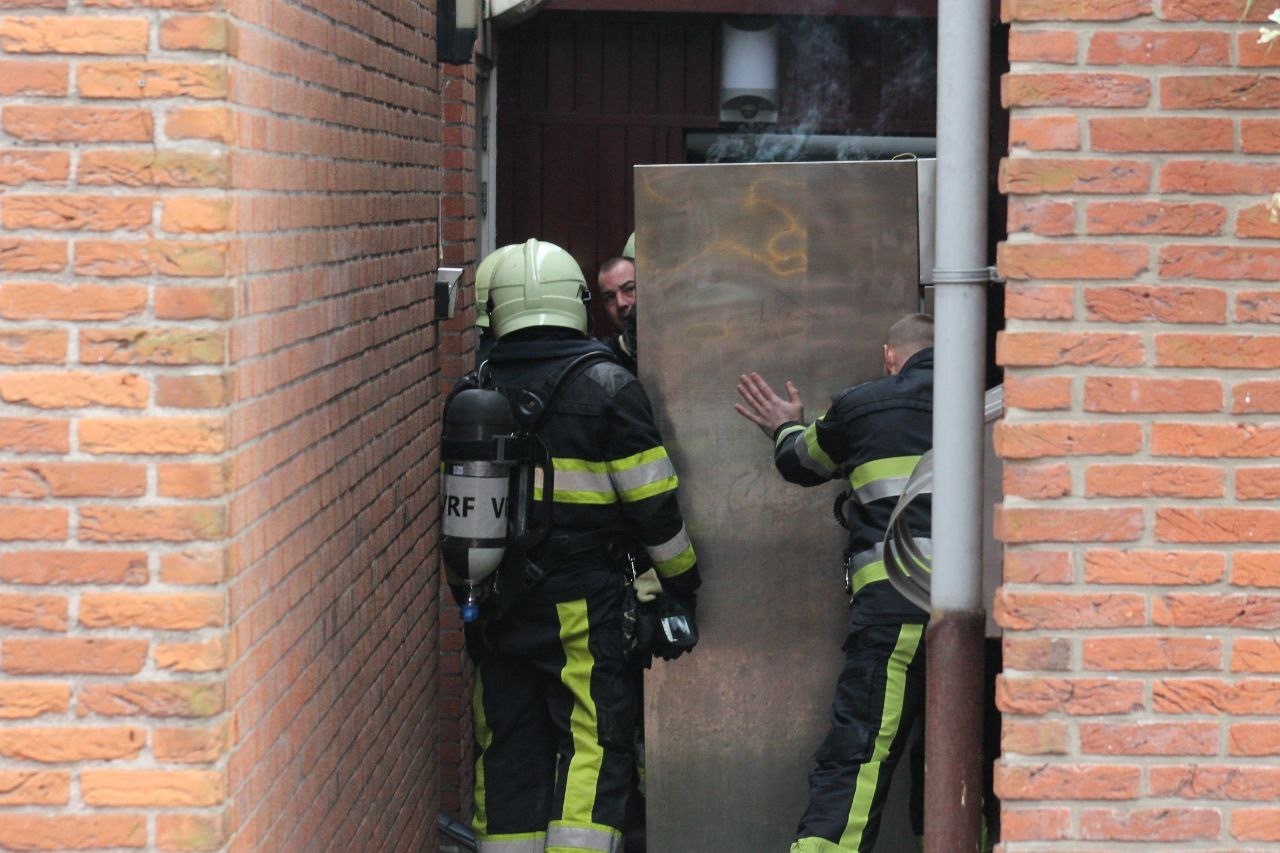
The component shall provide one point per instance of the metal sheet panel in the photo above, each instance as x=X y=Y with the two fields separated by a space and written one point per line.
x=794 y=270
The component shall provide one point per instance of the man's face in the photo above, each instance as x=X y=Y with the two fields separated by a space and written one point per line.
x=618 y=293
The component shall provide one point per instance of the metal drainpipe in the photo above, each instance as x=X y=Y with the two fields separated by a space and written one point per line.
x=954 y=639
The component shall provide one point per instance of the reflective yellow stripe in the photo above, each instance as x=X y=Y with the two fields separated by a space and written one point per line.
x=484 y=737
x=675 y=556
x=588 y=756
x=870 y=573
x=632 y=478
x=578 y=481
x=813 y=844
x=516 y=842
x=678 y=564
x=635 y=460
x=564 y=497
x=895 y=692
x=880 y=469
x=563 y=837
x=815 y=451
x=643 y=475
x=786 y=431
x=657 y=487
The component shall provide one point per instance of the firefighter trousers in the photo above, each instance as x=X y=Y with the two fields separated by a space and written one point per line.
x=554 y=713
x=878 y=697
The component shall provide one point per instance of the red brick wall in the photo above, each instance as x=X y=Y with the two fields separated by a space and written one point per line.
x=460 y=239
x=1140 y=692
x=219 y=617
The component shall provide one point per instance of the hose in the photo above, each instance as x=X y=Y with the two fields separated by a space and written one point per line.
x=906 y=563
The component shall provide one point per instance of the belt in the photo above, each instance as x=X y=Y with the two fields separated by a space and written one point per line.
x=562 y=546
x=561 y=550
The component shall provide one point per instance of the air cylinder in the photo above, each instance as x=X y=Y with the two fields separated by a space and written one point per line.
x=476 y=490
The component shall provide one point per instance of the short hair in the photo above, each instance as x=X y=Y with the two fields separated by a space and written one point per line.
x=911 y=334
x=612 y=264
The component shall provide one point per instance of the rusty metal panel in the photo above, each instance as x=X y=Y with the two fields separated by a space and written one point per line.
x=794 y=270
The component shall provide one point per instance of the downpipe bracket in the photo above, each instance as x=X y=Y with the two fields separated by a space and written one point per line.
x=982 y=274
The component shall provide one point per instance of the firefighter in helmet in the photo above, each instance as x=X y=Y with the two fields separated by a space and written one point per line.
x=484 y=279
x=555 y=710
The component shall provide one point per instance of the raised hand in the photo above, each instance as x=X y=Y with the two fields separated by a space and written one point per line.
x=763 y=407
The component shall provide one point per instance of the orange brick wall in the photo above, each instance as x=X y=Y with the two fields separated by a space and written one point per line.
x=219 y=613
x=1141 y=690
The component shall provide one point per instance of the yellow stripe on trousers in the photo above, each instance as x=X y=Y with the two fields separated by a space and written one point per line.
x=584 y=767
x=895 y=689
x=484 y=737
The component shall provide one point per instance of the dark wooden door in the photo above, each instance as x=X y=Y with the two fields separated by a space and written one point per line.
x=584 y=97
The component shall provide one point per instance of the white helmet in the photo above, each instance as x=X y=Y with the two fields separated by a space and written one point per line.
x=484 y=280
x=537 y=284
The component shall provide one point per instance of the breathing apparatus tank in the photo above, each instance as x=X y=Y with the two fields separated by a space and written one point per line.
x=477 y=485
x=490 y=469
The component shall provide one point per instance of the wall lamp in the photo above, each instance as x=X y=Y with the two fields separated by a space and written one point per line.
x=749 y=69
x=456 y=25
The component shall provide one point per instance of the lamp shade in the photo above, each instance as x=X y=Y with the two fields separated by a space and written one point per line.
x=456 y=23
x=749 y=80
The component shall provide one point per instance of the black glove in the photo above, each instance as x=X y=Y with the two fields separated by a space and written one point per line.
x=677 y=630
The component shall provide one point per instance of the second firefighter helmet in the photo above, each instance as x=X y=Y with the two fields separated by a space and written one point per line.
x=537 y=284
x=629 y=250
x=484 y=280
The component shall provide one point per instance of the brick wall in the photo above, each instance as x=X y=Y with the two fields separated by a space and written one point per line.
x=458 y=339
x=219 y=617
x=1140 y=692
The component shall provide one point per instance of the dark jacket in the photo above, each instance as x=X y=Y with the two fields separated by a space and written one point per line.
x=624 y=350
x=624 y=345
x=612 y=473
x=872 y=437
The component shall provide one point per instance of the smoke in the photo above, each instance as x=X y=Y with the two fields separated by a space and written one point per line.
x=914 y=70
x=817 y=45
x=751 y=145
x=821 y=48
x=837 y=64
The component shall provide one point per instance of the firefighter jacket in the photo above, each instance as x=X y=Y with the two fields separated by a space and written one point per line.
x=624 y=346
x=612 y=474
x=872 y=436
x=624 y=350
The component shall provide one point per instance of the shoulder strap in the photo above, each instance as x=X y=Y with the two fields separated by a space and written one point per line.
x=531 y=404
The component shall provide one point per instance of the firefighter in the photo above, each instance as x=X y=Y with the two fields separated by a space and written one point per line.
x=873 y=435
x=616 y=283
x=555 y=709
x=484 y=277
